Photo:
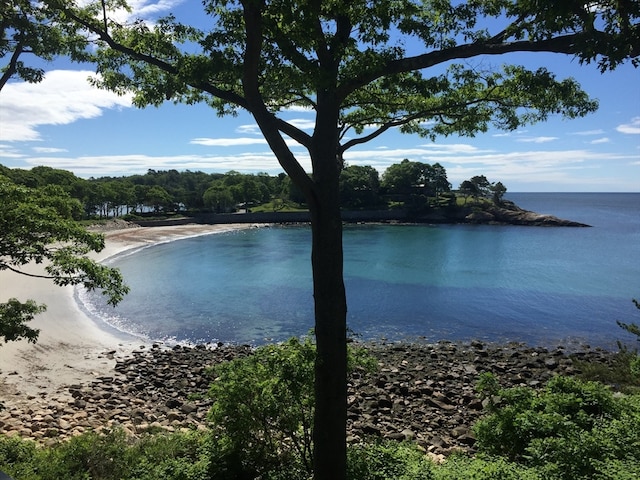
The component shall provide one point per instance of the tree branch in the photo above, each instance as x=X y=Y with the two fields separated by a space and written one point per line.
x=386 y=126
x=562 y=44
x=20 y=272
x=269 y=125
x=226 y=95
x=12 y=68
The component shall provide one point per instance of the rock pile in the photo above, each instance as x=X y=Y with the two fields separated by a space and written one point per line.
x=421 y=392
x=426 y=393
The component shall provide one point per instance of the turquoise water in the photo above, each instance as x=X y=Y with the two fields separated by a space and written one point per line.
x=455 y=282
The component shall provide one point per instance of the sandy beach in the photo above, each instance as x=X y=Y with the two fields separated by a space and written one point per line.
x=72 y=348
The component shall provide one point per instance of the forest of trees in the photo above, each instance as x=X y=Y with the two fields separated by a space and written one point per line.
x=409 y=183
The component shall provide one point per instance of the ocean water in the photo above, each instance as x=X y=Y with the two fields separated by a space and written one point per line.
x=540 y=285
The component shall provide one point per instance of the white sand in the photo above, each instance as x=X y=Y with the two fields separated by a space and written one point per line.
x=71 y=347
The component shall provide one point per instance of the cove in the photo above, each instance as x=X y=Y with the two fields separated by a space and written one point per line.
x=404 y=282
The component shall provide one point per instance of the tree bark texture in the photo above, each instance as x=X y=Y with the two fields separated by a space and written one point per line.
x=329 y=432
x=330 y=421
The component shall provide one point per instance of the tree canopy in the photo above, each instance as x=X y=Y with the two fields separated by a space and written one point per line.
x=362 y=67
x=34 y=31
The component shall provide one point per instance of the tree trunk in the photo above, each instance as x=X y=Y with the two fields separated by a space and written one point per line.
x=329 y=432
x=330 y=422
x=322 y=195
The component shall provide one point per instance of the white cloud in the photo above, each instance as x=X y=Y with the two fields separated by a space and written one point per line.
x=588 y=132
x=8 y=151
x=599 y=141
x=144 y=9
x=509 y=134
x=545 y=167
x=298 y=108
x=228 y=142
x=538 y=167
x=302 y=123
x=632 y=128
x=48 y=150
x=237 y=141
x=537 y=139
x=533 y=167
x=63 y=97
x=249 y=129
x=116 y=165
x=437 y=148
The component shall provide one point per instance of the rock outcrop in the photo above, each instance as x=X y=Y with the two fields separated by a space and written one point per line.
x=510 y=214
x=507 y=213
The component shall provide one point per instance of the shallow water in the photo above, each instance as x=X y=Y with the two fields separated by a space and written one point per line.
x=502 y=283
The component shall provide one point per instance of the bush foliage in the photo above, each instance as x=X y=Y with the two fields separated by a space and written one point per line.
x=571 y=429
x=263 y=407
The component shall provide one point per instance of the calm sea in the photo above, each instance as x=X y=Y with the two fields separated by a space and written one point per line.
x=544 y=286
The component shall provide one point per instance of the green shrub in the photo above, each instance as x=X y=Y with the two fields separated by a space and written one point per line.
x=263 y=408
x=92 y=455
x=461 y=467
x=388 y=461
x=634 y=360
x=113 y=456
x=569 y=430
x=16 y=457
x=623 y=370
x=176 y=456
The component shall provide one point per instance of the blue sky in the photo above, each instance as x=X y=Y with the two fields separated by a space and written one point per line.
x=65 y=123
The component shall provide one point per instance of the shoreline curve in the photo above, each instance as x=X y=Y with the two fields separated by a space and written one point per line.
x=72 y=347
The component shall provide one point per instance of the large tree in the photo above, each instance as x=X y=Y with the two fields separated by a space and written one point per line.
x=362 y=67
x=38 y=226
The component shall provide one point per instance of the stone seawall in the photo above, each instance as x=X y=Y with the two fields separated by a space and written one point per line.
x=276 y=217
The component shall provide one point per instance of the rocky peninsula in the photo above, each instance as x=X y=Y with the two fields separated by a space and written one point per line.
x=483 y=213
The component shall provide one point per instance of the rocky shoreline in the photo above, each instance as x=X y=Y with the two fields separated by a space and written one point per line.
x=421 y=392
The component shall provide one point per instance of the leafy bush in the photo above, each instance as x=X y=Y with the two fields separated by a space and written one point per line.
x=571 y=429
x=623 y=371
x=263 y=408
x=178 y=456
x=388 y=460
x=92 y=455
x=461 y=467
x=16 y=457
x=634 y=360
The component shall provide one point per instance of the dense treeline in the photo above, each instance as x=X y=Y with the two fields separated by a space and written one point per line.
x=408 y=183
